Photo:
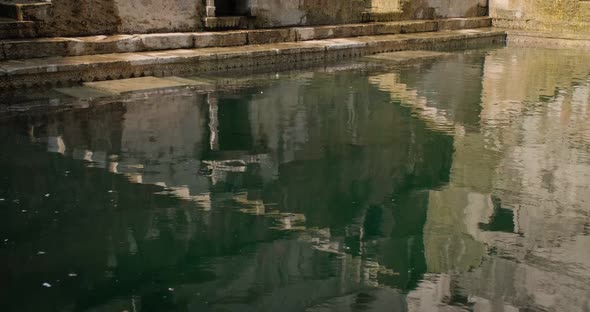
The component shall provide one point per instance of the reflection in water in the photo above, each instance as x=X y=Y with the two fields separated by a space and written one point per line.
x=447 y=185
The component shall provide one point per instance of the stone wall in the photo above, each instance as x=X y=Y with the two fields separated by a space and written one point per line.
x=276 y=13
x=104 y=17
x=572 y=15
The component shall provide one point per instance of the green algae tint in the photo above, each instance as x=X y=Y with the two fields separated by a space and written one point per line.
x=454 y=183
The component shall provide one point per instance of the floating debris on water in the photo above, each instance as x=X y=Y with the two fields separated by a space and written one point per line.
x=72 y=274
x=46 y=285
x=40 y=252
x=47 y=195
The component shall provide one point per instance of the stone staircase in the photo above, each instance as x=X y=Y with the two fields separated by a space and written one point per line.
x=71 y=60
x=12 y=28
x=18 y=17
x=94 y=45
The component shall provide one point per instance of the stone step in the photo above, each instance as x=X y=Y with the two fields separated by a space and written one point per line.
x=76 y=46
x=24 y=10
x=25 y=1
x=11 y=28
x=225 y=22
x=74 y=69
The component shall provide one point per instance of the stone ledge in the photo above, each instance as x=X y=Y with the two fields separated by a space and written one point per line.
x=54 y=70
x=18 y=29
x=549 y=40
x=558 y=27
x=25 y=10
x=76 y=46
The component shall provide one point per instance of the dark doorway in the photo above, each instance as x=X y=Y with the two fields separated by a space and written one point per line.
x=232 y=7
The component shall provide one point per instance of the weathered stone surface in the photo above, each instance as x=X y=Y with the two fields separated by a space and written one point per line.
x=224 y=22
x=222 y=39
x=312 y=46
x=93 y=17
x=10 y=28
x=314 y=33
x=271 y=36
x=407 y=56
x=167 y=41
x=418 y=26
x=354 y=30
x=72 y=46
x=190 y=81
x=90 y=17
x=179 y=56
x=338 y=44
x=158 y=15
x=272 y=13
x=572 y=16
x=388 y=28
x=83 y=93
x=105 y=17
x=175 y=62
x=540 y=39
x=135 y=84
x=22 y=49
x=104 y=44
x=460 y=23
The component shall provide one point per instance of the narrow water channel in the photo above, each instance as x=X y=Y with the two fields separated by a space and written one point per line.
x=450 y=184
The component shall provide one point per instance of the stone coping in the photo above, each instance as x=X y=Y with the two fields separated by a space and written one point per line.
x=75 y=46
x=548 y=40
x=75 y=69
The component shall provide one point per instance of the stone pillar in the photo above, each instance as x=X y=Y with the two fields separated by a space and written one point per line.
x=210 y=8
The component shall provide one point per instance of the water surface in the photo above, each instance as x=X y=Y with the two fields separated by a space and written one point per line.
x=454 y=184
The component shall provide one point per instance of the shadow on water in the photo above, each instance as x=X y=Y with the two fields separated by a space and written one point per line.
x=407 y=189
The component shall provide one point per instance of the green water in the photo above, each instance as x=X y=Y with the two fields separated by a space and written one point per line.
x=457 y=183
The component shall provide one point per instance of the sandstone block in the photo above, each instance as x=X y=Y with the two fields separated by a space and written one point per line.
x=270 y=36
x=451 y=24
x=387 y=28
x=135 y=84
x=167 y=41
x=302 y=47
x=221 y=39
x=24 y=49
x=339 y=44
x=105 y=44
x=354 y=30
x=314 y=33
x=420 y=26
x=172 y=57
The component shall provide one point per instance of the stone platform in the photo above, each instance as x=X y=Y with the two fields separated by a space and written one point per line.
x=234 y=50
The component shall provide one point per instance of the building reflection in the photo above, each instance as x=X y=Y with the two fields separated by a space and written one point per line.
x=511 y=223
x=282 y=196
x=324 y=192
